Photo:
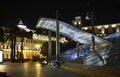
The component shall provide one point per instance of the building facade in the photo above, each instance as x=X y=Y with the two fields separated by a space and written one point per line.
x=100 y=30
x=27 y=46
x=31 y=47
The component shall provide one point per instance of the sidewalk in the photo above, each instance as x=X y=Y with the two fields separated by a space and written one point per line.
x=92 y=71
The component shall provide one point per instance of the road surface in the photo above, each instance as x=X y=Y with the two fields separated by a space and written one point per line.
x=34 y=69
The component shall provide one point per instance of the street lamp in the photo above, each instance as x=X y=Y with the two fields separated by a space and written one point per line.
x=93 y=39
x=57 y=40
x=93 y=31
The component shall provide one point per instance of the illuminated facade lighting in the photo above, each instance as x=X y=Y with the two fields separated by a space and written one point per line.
x=45 y=38
x=117 y=30
x=22 y=26
x=86 y=28
x=106 y=26
x=113 y=25
x=87 y=18
x=77 y=21
x=98 y=30
x=102 y=30
x=98 y=27
x=31 y=46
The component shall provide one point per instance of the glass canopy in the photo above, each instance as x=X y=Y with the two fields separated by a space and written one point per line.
x=69 y=31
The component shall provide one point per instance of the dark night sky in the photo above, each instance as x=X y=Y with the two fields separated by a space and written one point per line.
x=106 y=11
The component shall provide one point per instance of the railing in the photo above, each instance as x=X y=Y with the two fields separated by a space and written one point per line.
x=98 y=57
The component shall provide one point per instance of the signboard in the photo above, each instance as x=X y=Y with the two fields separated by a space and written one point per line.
x=1 y=56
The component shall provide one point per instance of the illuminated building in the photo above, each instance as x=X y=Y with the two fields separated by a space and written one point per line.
x=77 y=20
x=100 y=30
x=83 y=40
x=31 y=47
x=104 y=30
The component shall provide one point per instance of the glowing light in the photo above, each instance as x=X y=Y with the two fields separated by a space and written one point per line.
x=1 y=56
x=21 y=26
x=103 y=31
x=78 y=17
x=113 y=25
x=98 y=27
x=86 y=28
x=87 y=18
x=79 y=22
x=19 y=46
x=45 y=38
x=106 y=26
x=26 y=48
x=117 y=30
x=75 y=23
x=63 y=40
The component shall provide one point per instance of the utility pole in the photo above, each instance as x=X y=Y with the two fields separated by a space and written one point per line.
x=22 y=41
x=93 y=39
x=57 y=39
x=49 y=47
x=93 y=31
x=77 y=48
x=14 y=45
x=12 y=49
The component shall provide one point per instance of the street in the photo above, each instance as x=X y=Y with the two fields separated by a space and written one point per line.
x=34 y=69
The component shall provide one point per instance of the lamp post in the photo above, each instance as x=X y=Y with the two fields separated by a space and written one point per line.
x=22 y=41
x=77 y=48
x=57 y=39
x=49 y=46
x=93 y=31
x=93 y=39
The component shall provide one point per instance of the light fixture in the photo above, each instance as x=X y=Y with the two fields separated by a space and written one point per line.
x=79 y=22
x=75 y=23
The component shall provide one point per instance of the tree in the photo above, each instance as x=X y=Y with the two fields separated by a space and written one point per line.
x=44 y=49
x=23 y=33
x=3 y=34
x=29 y=35
x=12 y=32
